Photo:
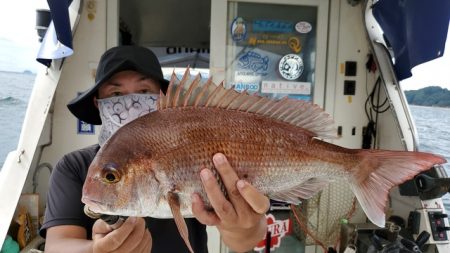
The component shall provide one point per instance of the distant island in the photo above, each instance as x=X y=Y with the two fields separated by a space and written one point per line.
x=25 y=72
x=429 y=96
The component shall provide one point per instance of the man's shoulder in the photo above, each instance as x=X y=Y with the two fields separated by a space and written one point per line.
x=80 y=158
x=87 y=152
x=89 y=149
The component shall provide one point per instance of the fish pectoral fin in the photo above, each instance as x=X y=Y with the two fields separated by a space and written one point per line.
x=174 y=203
x=305 y=190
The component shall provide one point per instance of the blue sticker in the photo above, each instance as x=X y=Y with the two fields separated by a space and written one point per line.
x=249 y=87
x=238 y=29
x=272 y=26
x=253 y=61
x=301 y=97
x=85 y=128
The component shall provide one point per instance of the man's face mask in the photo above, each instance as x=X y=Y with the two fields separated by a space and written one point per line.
x=118 y=111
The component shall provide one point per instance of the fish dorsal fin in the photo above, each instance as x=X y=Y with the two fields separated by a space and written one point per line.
x=191 y=92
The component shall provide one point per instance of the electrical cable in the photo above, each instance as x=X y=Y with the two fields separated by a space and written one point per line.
x=373 y=106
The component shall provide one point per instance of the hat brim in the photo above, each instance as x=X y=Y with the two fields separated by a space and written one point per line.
x=83 y=106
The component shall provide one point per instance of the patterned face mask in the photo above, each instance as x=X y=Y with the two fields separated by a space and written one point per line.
x=118 y=111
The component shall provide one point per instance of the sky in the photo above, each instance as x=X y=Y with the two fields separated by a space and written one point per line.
x=435 y=72
x=18 y=37
x=19 y=45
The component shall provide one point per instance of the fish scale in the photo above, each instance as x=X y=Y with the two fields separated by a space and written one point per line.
x=276 y=145
x=277 y=161
x=276 y=152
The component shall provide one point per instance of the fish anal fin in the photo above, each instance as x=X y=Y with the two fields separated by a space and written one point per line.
x=174 y=203
x=305 y=190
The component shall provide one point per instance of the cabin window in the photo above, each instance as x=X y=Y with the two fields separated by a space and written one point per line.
x=271 y=49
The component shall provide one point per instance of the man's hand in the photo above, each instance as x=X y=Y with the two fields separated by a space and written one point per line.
x=242 y=216
x=132 y=236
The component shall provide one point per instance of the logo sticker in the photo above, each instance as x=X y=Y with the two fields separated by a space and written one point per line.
x=278 y=229
x=303 y=27
x=291 y=66
x=238 y=29
x=253 y=61
x=286 y=87
x=85 y=128
x=249 y=87
x=247 y=80
x=276 y=26
x=294 y=44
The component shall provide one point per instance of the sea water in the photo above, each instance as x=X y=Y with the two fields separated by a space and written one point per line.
x=15 y=88
x=432 y=125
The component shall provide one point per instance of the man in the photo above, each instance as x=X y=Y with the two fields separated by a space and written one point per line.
x=127 y=75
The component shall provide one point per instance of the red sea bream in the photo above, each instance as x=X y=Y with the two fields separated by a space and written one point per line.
x=150 y=167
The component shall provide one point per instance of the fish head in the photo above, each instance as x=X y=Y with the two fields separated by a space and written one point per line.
x=121 y=181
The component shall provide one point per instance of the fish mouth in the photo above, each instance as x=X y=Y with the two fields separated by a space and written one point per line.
x=94 y=205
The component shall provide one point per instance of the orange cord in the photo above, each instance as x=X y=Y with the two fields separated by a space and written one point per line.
x=317 y=241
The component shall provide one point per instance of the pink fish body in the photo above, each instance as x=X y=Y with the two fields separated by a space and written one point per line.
x=150 y=167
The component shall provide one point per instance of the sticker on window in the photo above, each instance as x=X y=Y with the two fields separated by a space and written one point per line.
x=291 y=66
x=238 y=29
x=303 y=27
x=85 y=128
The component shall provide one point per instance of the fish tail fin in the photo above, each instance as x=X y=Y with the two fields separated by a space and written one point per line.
x=379 y=171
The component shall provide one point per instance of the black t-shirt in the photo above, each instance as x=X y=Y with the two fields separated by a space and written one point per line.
x=64 y=207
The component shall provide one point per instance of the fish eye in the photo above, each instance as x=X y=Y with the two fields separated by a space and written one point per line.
x=110 y=174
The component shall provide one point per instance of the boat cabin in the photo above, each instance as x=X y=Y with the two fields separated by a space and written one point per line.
x=347 y=56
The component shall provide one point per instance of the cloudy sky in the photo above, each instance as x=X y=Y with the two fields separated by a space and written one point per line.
x=435 y=72
x=19 y=44
x=18 y=37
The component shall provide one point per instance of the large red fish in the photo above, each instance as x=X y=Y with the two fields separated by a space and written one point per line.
x=150 y=167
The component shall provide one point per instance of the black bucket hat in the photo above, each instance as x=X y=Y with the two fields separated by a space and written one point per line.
x=116 y=59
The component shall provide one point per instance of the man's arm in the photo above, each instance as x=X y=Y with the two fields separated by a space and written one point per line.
x=132 y=236
x=240 y=219
x=67 y=238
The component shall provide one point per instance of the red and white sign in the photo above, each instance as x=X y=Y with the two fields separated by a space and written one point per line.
x=278 y=229
x=303 y=27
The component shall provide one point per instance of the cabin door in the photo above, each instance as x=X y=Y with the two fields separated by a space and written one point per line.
x=275 y=48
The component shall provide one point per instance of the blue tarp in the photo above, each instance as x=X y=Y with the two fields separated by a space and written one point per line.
x=415 y=29
x=57 y=42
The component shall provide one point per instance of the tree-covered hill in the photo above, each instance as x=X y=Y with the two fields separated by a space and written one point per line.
x=429 y=96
